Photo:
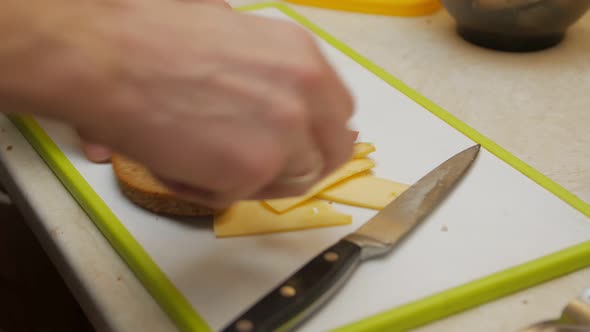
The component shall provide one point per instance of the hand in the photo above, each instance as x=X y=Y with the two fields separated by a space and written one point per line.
x=99 y=153
x=223 y=106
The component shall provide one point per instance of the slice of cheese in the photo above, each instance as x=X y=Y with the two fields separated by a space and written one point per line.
x=252 y=217
x=349 y=169
x=361 y=150
x=365 y=191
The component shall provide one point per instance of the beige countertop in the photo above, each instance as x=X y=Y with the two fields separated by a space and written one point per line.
x=536 y=105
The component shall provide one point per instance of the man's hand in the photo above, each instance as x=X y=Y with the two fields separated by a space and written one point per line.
x=99 y=153
x=222 y=106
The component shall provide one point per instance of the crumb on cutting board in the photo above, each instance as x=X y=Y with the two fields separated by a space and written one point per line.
x=9 y=148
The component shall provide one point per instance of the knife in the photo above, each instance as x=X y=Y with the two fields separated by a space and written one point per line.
x=575 y=317
x=295 y=299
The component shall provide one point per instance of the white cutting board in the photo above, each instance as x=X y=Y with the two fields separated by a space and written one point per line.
x=495 y=219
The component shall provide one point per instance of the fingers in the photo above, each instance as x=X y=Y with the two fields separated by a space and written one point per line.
x=331 y=106
x=275 y=146
x=96 y=153
x=204 y=197
x=301 y=160
x=311 y=126
x=220 y=3
x=225 y=177
x=259 y=115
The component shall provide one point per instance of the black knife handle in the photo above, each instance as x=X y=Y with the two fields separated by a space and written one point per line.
x=294 y=299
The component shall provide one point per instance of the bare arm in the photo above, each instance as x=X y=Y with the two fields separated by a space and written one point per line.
x=48 y=65
x=215 y=100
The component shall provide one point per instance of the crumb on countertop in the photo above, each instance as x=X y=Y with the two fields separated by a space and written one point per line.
x=444 y=228
x=9 y=148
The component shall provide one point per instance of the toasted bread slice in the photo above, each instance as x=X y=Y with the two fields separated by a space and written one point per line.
x=142 y=188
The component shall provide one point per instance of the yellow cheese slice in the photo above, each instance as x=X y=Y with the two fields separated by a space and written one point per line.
x=252 y=217
x=350 y=168
x=365 y=191
x=361 y=150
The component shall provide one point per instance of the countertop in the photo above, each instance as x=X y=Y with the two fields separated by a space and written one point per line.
x=535 y=105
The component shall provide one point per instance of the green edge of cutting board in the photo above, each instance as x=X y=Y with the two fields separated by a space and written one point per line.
x=147 y=271
x=402 y=318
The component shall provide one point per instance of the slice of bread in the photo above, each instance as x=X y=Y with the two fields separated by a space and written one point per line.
x=142 y=188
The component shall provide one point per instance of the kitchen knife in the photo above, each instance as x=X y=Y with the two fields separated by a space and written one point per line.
x=295 y=299
x=575 y=317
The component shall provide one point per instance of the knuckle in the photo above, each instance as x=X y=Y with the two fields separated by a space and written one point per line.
x=309 y=74
x=288 y=113
x=256 y=166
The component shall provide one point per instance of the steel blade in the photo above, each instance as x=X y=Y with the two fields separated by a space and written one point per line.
x=406 y=211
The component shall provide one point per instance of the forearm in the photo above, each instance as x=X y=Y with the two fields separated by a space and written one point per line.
x=43 y=59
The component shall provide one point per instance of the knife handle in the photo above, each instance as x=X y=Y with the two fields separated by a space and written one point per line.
x=294 y=299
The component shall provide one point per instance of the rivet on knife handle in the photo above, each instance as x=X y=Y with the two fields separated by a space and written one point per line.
x=289 y=303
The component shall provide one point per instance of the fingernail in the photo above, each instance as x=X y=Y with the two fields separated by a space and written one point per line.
x=97 y=153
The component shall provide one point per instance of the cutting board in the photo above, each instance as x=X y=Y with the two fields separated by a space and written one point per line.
x=505 y=227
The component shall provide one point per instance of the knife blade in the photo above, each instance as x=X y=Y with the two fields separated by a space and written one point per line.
x=296 y=298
